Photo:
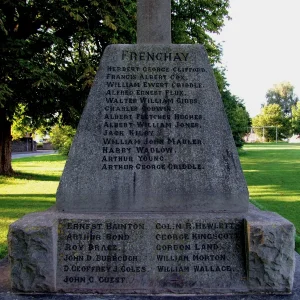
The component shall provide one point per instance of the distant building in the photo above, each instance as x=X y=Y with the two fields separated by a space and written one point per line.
x=25 y=144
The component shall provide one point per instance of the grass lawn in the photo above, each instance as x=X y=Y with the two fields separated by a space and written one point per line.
x=272 y=172
x=32 y=189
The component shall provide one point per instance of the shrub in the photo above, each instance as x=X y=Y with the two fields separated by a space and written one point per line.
x=61 y=137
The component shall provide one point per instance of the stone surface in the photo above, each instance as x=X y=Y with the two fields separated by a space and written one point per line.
x=153 y=137
x=154 y=22
x=32 y=251
x=4 y=276
x=270 y=252
x=153 y=253
x=6 y=294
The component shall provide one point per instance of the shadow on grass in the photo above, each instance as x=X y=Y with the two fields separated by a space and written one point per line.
x=35 y=176
x=51 y=158
x=274 y=173
x=3 y=250
x=15 y=205
x=3 y=179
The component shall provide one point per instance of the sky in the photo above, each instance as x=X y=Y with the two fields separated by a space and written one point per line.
x=261 y=47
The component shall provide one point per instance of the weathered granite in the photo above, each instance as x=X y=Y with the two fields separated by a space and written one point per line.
x=7 y=294
x=153 y=137
x=32 y=252
x=154 y=22
x=153 y=253
x=270 y=252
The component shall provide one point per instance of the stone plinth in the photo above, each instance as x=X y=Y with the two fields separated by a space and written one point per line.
x=152 y=253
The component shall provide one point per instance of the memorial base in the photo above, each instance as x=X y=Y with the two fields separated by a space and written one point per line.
x=152 y=253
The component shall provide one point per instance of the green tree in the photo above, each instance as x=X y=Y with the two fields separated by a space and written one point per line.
x=283 y=95
x=50 y=51
x=237 y=115
x=194 y=21
x=296 y=118
x=271 y=115
x=22 y=124
x=61 y=137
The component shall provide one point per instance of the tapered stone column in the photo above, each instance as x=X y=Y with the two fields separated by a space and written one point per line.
x=154 y=22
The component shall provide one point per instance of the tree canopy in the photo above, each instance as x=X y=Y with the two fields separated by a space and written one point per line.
x=271 y=116
x=50 y=51
x=193 y=21
x=282 y=111
x=295 y=122
x=238 y=116
x=283 y=95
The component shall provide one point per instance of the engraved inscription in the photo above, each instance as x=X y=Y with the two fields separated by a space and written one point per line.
x=110 y=254
x=149 y=109
x=93 y=254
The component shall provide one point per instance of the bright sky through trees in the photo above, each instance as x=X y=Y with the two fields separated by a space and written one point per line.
x=261 y=47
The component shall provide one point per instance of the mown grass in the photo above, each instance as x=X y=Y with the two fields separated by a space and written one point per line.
x=272 y=173
x=31 y=189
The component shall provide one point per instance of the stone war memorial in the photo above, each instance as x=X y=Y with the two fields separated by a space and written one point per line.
x=152 y=199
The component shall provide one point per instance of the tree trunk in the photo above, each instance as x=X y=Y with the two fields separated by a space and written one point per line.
x=5 y=144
